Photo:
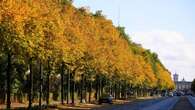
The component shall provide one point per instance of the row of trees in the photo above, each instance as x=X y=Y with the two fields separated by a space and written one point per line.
x=51 y=45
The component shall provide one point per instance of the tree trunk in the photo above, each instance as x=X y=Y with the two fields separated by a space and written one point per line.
x=3 y=92
x=30 y=86
x=99 y=87
x=62 y=84
x=96 y=88
x=125 y=90
x=68 y=86
x=48 y=89
x=82 y=83
x=90 y=90
x=41 y=86
x=119 y=90
x=48 y=83
x=73 y=88
x=110 y=88
x=85 y=89
x=115 y=91
x=8 y=81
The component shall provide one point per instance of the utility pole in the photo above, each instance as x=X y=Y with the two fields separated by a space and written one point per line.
x=118 y=12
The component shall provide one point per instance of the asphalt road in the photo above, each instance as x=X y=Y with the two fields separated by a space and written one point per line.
x=136 y=105
x=183 y=104
x=169 y=103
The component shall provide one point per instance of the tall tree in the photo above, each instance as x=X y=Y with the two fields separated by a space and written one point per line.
x=193 y=86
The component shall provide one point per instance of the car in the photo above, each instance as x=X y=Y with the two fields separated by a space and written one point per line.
x=179 y=93
x=170 y=94
x=175 y=93
x=106 y=99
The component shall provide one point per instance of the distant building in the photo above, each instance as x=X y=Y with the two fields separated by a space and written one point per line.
x=175 y=77
x=184 y=86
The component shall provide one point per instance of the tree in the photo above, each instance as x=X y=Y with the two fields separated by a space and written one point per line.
x=9 y=43
x=193 y=86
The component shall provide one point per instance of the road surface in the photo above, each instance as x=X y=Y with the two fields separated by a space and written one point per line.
x=183 y=104
x=169 y=103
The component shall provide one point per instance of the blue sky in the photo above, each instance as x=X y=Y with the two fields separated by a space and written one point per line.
x=167 y=27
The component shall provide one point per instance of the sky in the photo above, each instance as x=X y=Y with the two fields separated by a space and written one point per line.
x=166 y=27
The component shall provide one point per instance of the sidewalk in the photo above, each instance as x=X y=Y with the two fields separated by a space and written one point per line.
x=57 y=105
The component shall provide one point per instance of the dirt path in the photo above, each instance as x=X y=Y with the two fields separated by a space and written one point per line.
x=183 y=104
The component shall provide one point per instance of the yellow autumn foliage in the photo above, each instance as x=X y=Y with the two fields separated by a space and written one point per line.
x=47 y=28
